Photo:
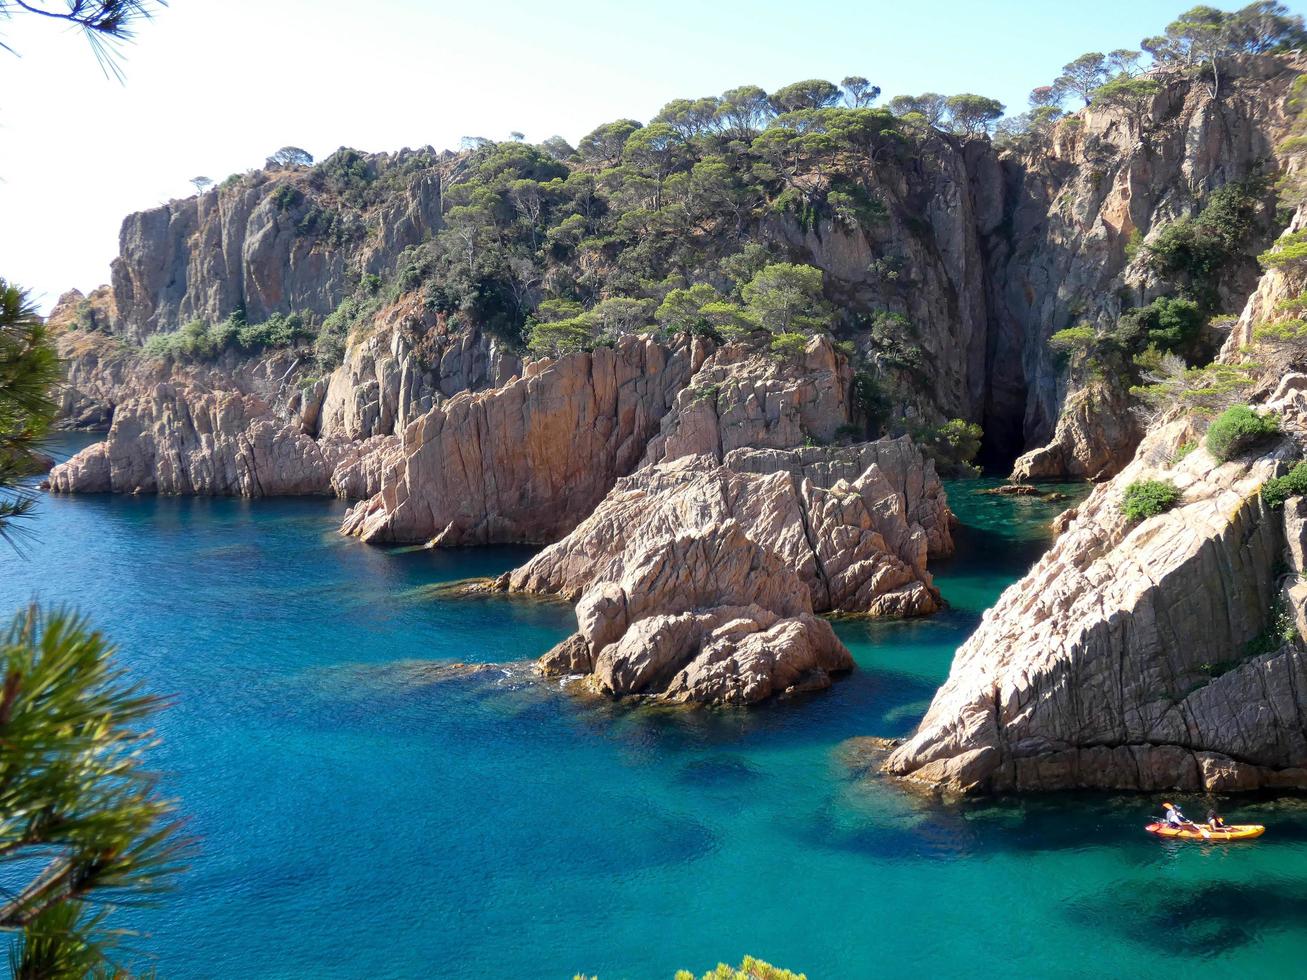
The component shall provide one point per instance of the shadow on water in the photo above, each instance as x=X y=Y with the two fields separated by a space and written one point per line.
x=1196 y=920
x=878 y=818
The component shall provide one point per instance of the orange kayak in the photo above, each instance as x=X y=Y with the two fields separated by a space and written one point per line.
x=1246 y=831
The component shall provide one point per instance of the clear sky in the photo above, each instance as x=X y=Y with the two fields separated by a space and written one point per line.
x=214 y=86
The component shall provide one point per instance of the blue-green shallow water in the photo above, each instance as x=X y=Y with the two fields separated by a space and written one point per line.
x=360 y=819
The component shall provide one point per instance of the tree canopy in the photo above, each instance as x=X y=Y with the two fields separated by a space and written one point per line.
x=289 y=156
x=105 y=23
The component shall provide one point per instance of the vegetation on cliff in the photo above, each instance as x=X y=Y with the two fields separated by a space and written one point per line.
x=1238 y=429
x=1148 y=498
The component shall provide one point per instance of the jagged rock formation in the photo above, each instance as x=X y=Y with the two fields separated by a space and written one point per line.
x=702 y=615
x=898 y=461
x=528 y=461
x=685 y=573
x=410 y=361
x=1117 y=661
x=742 y=398
x=277 y=242
x=184 y=440
x=850 y=543
x=1095 y=438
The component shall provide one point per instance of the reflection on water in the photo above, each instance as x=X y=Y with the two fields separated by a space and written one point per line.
x=368 y=808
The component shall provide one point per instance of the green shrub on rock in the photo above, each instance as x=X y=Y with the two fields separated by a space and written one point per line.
x=1292 y=484
x=790 y=343
x=1237 y=429
x=1148 y=498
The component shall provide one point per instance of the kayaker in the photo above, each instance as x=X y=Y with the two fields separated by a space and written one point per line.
x=1215 y=820
x=1174 y=817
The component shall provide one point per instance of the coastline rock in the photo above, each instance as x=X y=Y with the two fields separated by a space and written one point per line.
x=703 y=617
x=525 y=462
x=850 y=543
x=1118 y=661
x=1095 y=437
x=180 y=439
x=741 y=397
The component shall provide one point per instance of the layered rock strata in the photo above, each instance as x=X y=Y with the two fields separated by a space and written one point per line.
x=1119 y=660
x=528 y=461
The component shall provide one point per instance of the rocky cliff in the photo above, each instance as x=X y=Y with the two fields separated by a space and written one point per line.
x=280 y=241
x=528 y=461
x=1117 y=661
x=948 y=288
x=1080 y=214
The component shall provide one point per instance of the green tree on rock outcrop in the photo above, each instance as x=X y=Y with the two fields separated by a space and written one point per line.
x=786 y=298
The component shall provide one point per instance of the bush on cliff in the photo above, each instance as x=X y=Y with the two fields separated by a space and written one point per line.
x=198 y=341
x=1148 y=498
x=1293 y=484
x=1238 y=429
x=1172 y=326
x=952 y=445
x=1195 y=252
x=1168 y=384
x=750 y=969
x=1289 y=252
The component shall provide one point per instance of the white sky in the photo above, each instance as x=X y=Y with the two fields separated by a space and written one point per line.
x=214 y=86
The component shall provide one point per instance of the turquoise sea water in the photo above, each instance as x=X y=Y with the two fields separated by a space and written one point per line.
x=361 y=816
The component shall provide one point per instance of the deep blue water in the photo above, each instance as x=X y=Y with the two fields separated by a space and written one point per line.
x=362 y=816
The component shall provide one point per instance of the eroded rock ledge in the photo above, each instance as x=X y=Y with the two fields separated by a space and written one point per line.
x=685 y=572
x=1117 y=662
x=700 y=615
x=527 y=461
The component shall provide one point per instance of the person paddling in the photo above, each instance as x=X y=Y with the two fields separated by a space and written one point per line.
x=1215 y=820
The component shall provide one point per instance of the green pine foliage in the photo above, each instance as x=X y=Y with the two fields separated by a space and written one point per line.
x=1293 y=484
x=1148 y=498
x=82 y=825
x=1237 y=430
x=29 y=371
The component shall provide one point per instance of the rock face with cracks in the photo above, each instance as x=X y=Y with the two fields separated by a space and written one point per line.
x=1123 y=660
x=701 y=616
x=528 y=461
x=851 y=542
x=697 y=581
